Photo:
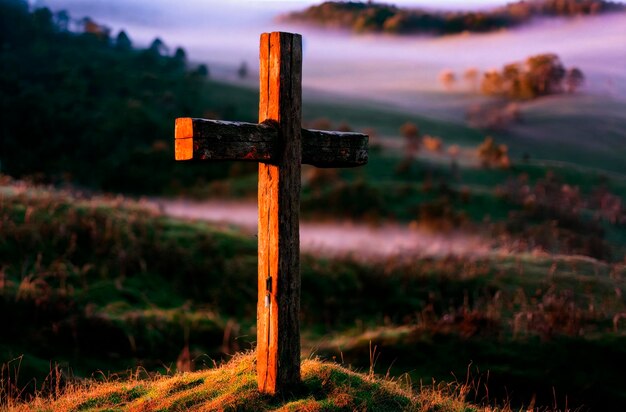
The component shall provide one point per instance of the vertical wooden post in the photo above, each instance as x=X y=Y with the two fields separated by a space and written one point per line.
x=278 y=306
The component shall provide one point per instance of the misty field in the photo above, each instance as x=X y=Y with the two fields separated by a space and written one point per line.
x=476 y=263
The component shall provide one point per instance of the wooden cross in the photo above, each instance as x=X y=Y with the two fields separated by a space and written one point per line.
x=280 y=146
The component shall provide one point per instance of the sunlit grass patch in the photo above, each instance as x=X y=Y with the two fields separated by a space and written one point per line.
x=339 y=388
x=116 y=396
x=325 y=387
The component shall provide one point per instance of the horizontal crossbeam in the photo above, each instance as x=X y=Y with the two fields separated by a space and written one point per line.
x=201 y=139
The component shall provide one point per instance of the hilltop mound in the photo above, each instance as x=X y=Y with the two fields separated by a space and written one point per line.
x=325 y=386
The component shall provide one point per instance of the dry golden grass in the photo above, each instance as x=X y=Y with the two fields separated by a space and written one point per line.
x=325 y=387
x=212 y=389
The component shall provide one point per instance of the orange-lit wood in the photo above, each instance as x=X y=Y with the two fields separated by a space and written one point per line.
x=278 y=305
x=276 y=143
x=183 y=138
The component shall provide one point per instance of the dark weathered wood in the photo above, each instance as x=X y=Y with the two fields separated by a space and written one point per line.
x=278 y=307
x=280 y=146
x=334 y=149
x=222 y=140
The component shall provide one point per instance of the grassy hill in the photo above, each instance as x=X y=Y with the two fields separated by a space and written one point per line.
x=104 y=284
x=325 y=387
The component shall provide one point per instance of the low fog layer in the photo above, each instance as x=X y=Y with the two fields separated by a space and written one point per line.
x=386 y=68
x=339 y=238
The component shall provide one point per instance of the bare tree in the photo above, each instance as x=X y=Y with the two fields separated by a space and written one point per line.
x=574 y=79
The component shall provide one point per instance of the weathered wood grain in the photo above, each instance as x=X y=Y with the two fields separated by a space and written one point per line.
x=278 y=305
x=266 y=302
x=222 y=140
x=280 y=146
x=334 y=149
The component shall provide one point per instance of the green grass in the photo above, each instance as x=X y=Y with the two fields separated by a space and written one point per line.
x=584 y=131
x=516 y=370
x=102 y=284
x=470 y=193
x=386 y=120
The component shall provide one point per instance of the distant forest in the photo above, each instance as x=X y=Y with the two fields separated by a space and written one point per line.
x=81 y=105
x=378 y=17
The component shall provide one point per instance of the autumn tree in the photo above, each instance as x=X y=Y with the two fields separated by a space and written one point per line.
x=411 y=134
x=538 y=75
x=493 y=83
x=432 y=143
x=95 y=29
x=447 y=78
x=410 y=130
x=471 y=78
x=491 y=154
x=546 y=73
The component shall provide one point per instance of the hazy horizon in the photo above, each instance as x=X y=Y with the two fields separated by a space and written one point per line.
x=390 y=68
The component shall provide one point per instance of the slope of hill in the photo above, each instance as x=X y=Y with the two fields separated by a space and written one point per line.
x=84 y=108
x=102 y=284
